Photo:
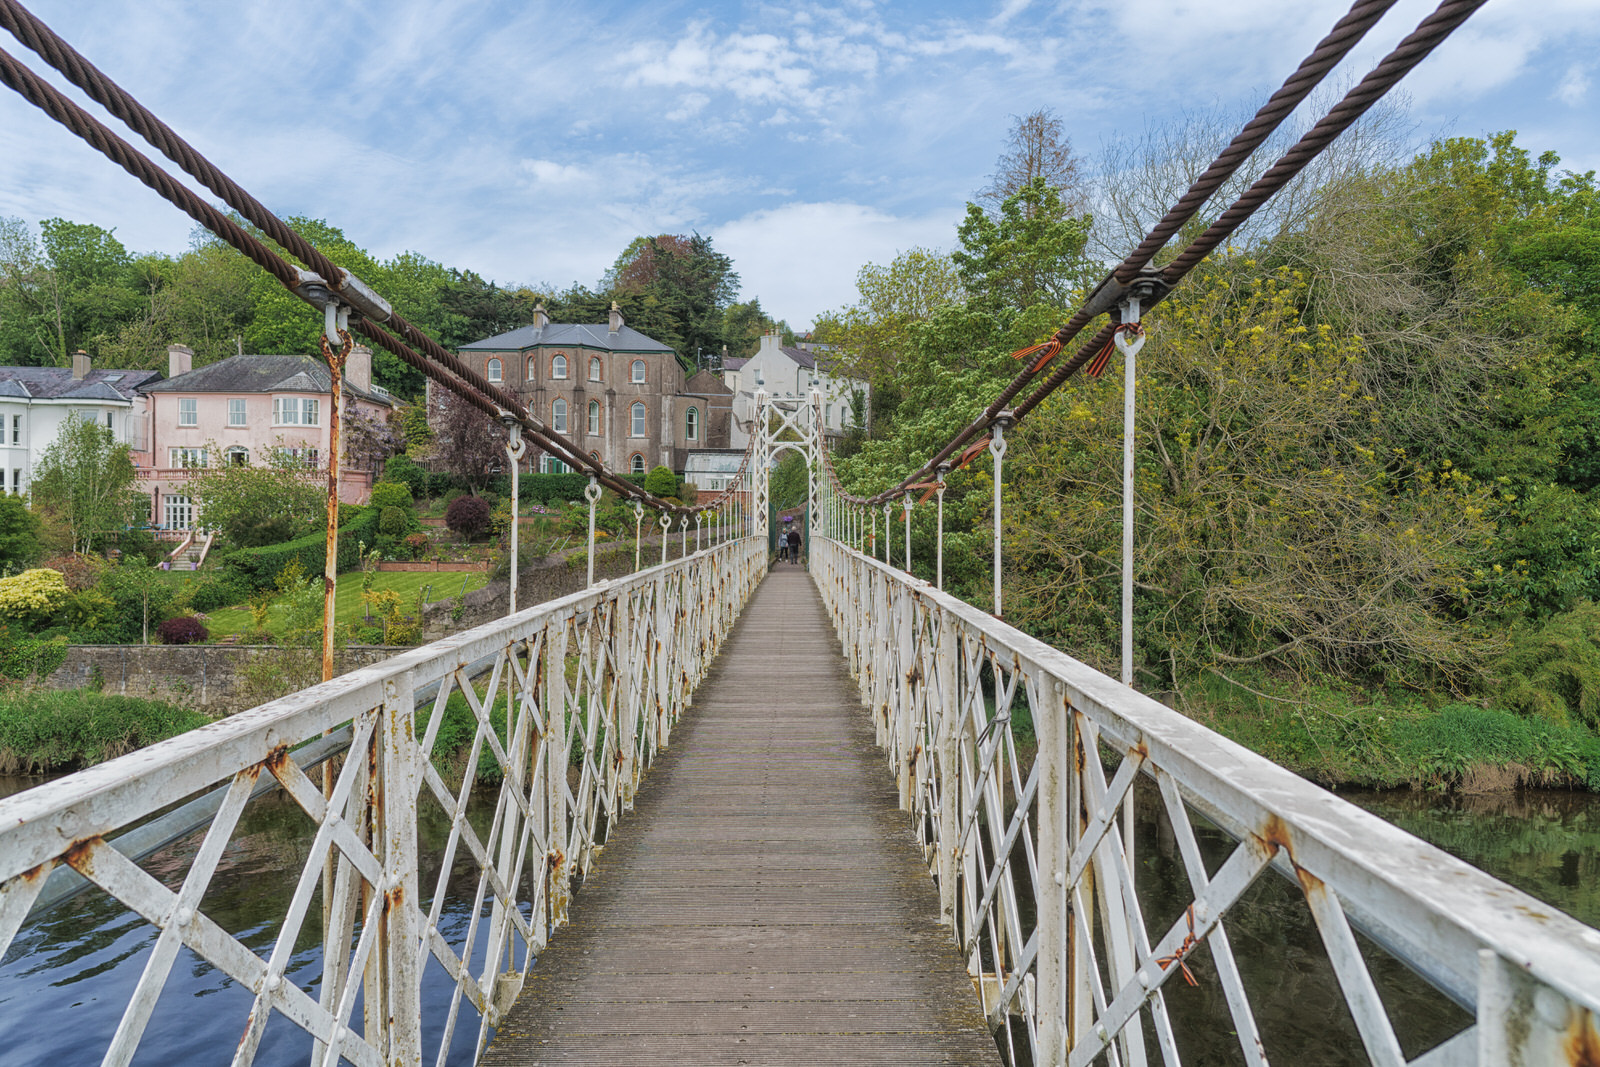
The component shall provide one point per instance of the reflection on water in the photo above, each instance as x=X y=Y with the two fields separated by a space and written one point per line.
x=1544 y=842
x=68 y=977
x=69 y=974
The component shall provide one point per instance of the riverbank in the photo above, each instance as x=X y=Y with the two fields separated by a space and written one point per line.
x=1379 y=744
x=42 y=731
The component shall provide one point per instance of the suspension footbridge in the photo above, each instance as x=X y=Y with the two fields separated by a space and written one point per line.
x=767 y=903
x=935 y=860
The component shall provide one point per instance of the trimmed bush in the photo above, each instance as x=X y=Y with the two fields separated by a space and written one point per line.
x=391 y=495
x=661 y=482
x=257 y=568
x=219 y=591
x=468 y=515
x=183 y=630
x=393 y=521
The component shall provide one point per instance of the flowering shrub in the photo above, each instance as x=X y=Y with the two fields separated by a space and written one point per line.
x=183 y=630
x=32 y=596
x=417 y=545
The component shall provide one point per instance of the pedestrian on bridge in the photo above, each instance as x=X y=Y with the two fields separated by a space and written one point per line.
x=793 y=537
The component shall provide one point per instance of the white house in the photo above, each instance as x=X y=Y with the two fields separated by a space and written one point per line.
x=793 y=372
x=35 y=401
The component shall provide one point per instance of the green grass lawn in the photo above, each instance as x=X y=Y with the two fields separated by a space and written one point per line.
x=347 y=601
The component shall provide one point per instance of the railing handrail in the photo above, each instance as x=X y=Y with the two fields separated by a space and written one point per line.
x=1417 y=879
x=43 y=822
x=996 y=827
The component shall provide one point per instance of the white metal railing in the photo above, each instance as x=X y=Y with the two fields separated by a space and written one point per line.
x=1037 y=878
x=586 y=688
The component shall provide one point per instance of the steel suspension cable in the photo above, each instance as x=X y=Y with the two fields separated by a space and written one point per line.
x=1344 y=36
x=1406 y=55
x=1412 y=50
x=461 y=380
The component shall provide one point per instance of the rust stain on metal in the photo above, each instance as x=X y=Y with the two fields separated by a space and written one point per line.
x=275 y=759
x=80 y=854
x=33 y=874
x=1274 y=835
x=1583 y=1041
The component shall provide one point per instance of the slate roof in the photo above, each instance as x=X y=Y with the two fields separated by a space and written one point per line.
x=572 y=335
x=263 y=374
x=800 y=356
x=57 y=383
x=735 y=362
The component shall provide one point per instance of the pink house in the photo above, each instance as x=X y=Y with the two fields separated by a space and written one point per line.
x=239 y=409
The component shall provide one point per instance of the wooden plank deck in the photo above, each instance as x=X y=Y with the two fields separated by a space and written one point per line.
x=766 y=903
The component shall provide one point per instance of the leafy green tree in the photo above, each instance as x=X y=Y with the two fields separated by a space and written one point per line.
x=1274 y=527
x=267 y=504
x=790 y=479
x=140 y=593
x=872 y=335
x=85 y=478
x=673 y=287
x=1030 y=253
x=743 y=325
x=19 y=533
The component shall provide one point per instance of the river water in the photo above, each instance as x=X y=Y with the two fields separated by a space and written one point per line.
x=69 y=974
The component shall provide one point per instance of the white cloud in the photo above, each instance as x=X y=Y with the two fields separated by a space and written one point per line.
x=549 y=172
x=801 y=259
x=690 y=105
x=1573 y=88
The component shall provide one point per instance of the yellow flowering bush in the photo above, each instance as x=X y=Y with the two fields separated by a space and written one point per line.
x=33 y=596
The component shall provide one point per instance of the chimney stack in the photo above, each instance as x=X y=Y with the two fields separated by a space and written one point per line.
x=80 y=365
x=180 y=360
x=541 y=317
x=358 y=368
x=616 y=317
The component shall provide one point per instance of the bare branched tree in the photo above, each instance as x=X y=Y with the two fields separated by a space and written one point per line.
x=1037 y=148
x=1141 y=177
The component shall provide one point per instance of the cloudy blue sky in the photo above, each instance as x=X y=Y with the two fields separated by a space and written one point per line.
x=532 y=140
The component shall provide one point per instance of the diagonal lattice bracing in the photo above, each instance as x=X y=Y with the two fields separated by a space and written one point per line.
x=1042 y=775
x=477 y=734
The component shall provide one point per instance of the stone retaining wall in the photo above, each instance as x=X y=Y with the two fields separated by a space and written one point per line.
x=209 y=678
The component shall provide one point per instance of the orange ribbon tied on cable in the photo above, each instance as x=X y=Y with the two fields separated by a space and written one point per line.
x=1046 y=350
x=1189 y=943
x=929 y=488
x=972 y=452
x=1097 y=365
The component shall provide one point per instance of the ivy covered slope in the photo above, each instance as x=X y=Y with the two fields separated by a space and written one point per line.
x=1367 y=466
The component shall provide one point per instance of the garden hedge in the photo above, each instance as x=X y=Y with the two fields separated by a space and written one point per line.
x=257 y=567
